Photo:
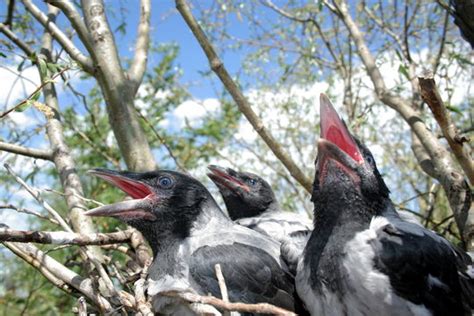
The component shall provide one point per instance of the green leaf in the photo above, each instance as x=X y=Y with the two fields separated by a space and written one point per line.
x=24 y=106
x=43 y=68
x=3 y=55
x=35 y=96
x=403 y=70
x=454 y=109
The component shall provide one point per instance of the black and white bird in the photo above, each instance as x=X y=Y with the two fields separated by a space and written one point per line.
x=362 y=258
x=251 y=202
x=189 y=234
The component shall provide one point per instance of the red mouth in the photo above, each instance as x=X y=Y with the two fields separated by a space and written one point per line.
x=335 y=131
x=135 y=189
x=222 y=177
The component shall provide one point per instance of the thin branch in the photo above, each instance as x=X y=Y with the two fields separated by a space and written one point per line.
x=10 y=10
x=64 y=238
x=244 y=106
x=138 y=67
x=15 y=39
x=58 y=273
x=143 y=306
x=262 y=308
x=222 y=286
x=67 y=7
x=81 y=306
x=60 y=37
x=30 y=212
x=431 y=96
x=36 y=194
x=25 y=151
x=41 y=86
x=162 y=141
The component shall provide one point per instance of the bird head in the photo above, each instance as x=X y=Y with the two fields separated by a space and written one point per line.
x=164 y=202
x=245 y=194
x=344 y=165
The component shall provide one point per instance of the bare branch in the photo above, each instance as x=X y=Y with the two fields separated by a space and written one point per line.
x=457 y=190
x=67 y=7
x=138 y=67
x=41 y=86
x=431 y=96
x=15 y=39
x=139 y=245
x=262 y=308
x=143 y=306
x=25 y=151
x=64 y=238
x=244 y=106
x=36 y=194
x=58 y=273
x=63 y=40
x=26 y=211
x=81 y=306
x=222 y=286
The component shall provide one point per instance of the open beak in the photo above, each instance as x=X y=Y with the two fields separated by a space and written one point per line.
x=336 y=143
x=334 y=130
x=223 y=178
x=143 y=196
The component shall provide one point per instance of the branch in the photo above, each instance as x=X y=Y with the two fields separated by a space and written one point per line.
x=41 y=86
x=64 y=238
x=76 y=20
x=262 y=308
x=142 y=304
x=63 y=40
x=36 y=194
x=138 y=67
x=26 y=211
x=457 y=190
x=15 y=39
x=25 y=151
x=57 y=273
x=219 y=69
x=430 y=94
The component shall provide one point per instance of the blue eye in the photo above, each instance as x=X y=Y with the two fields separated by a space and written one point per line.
x=252 y=181
x=370 y=159
x=165 y=182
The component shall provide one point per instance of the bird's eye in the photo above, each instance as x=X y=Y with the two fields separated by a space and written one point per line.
x=252 y=181
x=370 y=160
x=165 y=182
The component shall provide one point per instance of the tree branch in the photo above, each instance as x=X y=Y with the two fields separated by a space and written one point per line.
x=84 y=61
x=15 y=39
x=262 y=308
x=57 y=273
x=430 y=94
x=64 y=238
x=138 y=67
x=219 y=69
x=77 y=23
x=25 y=151
x=456 y=188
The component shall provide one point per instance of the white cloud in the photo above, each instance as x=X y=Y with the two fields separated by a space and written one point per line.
x=191 y=111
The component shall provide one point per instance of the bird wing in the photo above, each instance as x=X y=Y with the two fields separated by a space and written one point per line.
x=424 y=268
x=251 y=274
x=278 y=225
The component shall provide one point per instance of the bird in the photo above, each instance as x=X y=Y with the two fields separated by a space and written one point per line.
x=251 y=202
x=189 y=234
x=362 y=258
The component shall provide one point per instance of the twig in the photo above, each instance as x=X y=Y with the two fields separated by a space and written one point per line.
x=25 y=151
x=36 y=194
x=261 y=308
x=82 y=306
x=57 y=273
x=84 y=61
x=41 y=86
x=222 y=286
x=138 y=67
x=244 y=106
x=138 y=244
x=76 y=195
x=143 y=306
x=162 y=141
x=26 y=211
x=64 y=238
x=430 y=94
